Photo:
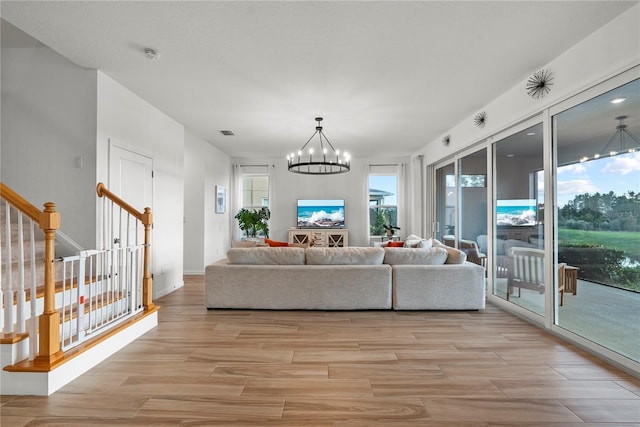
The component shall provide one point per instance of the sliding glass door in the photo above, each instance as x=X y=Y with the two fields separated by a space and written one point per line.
x=518 y=206
x=461 y=204
x=598 y=219
x=445 y=203
x=552 y=205
x=472 y=217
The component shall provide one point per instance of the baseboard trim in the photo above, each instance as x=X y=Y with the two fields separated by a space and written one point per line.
x=46 y=383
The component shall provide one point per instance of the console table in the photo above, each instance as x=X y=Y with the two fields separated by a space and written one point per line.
x=517 y=233
x=329 y=238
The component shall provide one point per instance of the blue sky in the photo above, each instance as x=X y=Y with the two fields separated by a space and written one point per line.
x=386 y=183
x=619 y=174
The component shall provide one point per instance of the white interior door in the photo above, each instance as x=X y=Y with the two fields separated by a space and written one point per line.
x=131 y=179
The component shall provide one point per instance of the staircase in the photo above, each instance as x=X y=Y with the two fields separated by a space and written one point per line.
x=63 y=315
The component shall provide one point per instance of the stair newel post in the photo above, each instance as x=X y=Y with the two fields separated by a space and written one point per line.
x=49 y=321
x=147 y=281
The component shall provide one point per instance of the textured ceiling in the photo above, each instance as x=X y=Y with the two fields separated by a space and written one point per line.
x=388 y=77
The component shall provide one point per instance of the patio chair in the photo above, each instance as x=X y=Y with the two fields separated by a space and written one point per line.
x=526 y=270
x=449 y=240
x=474 y=254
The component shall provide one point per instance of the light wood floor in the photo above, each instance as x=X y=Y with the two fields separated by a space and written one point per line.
x=370 y=368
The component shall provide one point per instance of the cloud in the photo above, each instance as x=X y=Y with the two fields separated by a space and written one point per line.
x=575 y=168
x=576 y=186
x=623 y=164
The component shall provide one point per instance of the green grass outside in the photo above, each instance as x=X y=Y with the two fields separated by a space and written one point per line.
x=627 y=241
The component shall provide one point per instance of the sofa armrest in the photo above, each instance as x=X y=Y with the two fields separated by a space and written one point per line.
x=439 y=287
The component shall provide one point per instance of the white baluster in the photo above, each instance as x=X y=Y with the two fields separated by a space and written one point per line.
x=33 y=320
x=8 y=292
x=21 y=298
x=81 y=300
x=2 y=302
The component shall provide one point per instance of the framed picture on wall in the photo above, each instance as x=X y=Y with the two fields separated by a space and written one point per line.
x=221 y=199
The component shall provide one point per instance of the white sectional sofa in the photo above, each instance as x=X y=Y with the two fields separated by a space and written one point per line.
x=353 y=278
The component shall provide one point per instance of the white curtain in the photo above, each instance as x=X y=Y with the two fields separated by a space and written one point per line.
x=416 y=196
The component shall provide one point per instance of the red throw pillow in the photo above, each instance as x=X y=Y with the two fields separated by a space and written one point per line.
x=275 y=243
x=395 y=244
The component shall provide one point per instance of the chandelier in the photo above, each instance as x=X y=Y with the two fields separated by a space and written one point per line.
x=326 y=161
x=613 y=148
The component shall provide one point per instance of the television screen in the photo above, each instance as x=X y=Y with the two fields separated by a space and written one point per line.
x=320 y=213
x=516 y=212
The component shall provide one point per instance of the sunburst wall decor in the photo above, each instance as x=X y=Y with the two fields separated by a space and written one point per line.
x=480 y=119
x=539 y=84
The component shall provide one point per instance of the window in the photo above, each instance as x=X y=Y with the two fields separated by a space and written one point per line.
x=383 y=198
x=253 y=187
x=255 y=191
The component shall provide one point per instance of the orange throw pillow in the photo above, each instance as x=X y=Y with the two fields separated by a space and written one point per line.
x=395 y=244
x=275 y=243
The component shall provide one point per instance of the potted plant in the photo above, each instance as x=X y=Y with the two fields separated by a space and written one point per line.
x=252 y=221
x=390 y=229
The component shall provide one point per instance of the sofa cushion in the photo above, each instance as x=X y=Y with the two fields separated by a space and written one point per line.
x=418 y=243
x=415 y=241
x=455 y=256
x=344 y=256
x=395 y=244
x=413 y=237
x=246 y=243
x=266 y=256
x=425 y=243
x=275 y=243
x=416 y=256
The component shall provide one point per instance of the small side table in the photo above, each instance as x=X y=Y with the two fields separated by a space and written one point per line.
x=571 y=279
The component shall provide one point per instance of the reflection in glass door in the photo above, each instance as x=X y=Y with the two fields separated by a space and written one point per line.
x=472 y=185
x=598 y=220
x=445 y=204
x=518 y=239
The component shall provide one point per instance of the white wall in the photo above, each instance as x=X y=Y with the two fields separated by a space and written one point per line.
x=134 y=124
x=206 y=233
x=288 y=187
x=49 y=120
x=610 y=50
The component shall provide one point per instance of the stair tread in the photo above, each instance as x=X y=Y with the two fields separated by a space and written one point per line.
x=58 y=289
x=34 y=366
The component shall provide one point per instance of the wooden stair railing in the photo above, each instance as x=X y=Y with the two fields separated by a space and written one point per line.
x=49 y=350
x=146 y=218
